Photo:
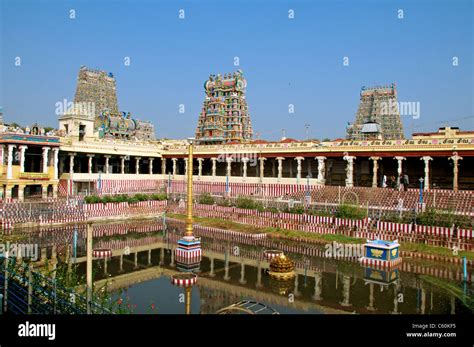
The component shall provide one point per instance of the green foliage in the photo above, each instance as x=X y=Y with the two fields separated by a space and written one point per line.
x=432 y=216
x=299 y=209
x=141 y=197
x=159 y=196
x=249 y=203
x=92 y=199
x=206 y=199
x=350 y=212
x=225 y=202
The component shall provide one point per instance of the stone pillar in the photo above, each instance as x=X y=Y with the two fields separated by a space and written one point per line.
x=44 y=191
x=371 y=306
x=89 y=163
x=211 y=273
x=399 y=169
x=423 y=300
x=242 y=273
x=185 y=167
x=374 y=172
x=105 y=266
x=349 y=170
x=200 y=160
x=395 y=300
x=174 y=165
x=121 y=263
x=10 y=161
x=122 y=164
x=318 y=285
x=321 y=170
x=298 y=167
x=55 y=163
x=151 y=166
x=262 y=167
x=296 y=292
x=135 y=260
x=22 y=157
x=8 y=192
x=137 y=165
x=455 y=158
x=245 y=161
x=426 y=182
x=163 y=166
x=259 y=275
x=346 y=291
x=45 y=159
x=55 y=191
x=280 y=167
x=71 y=164
x=21 y=192
x=149 y=257
x=172 y=258
x=162 y=256
x=226 y=273
x=229 y=166
x=214 y=166
x=107 y=157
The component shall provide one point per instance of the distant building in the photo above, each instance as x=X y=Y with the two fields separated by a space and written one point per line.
x=224 y=116
x=95 y=111
x=445 y=133
x=378 y=116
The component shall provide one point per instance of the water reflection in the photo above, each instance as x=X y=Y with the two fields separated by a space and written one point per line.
x=144 y=261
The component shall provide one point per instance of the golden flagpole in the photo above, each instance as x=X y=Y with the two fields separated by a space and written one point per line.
x=189 y=217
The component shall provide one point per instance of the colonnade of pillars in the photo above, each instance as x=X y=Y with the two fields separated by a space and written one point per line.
x=108 y=167
x=276 y=172
x=321 y=176
x=20 y=181
x=22 y=150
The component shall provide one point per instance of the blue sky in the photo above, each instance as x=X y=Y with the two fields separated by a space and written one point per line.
x=298 y=61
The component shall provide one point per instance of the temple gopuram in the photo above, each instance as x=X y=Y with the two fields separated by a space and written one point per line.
x=95 y=111
x=224 y=117
x=378 y=115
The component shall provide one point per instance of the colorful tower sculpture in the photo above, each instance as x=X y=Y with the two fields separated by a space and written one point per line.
x=224 y=116
x=378 y=116
x=98 y=87
x=96 y=101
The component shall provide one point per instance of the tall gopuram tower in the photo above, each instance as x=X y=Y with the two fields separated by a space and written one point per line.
x=224 y=116
x=95 y=111
x=98 y=87
x=378 y=116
